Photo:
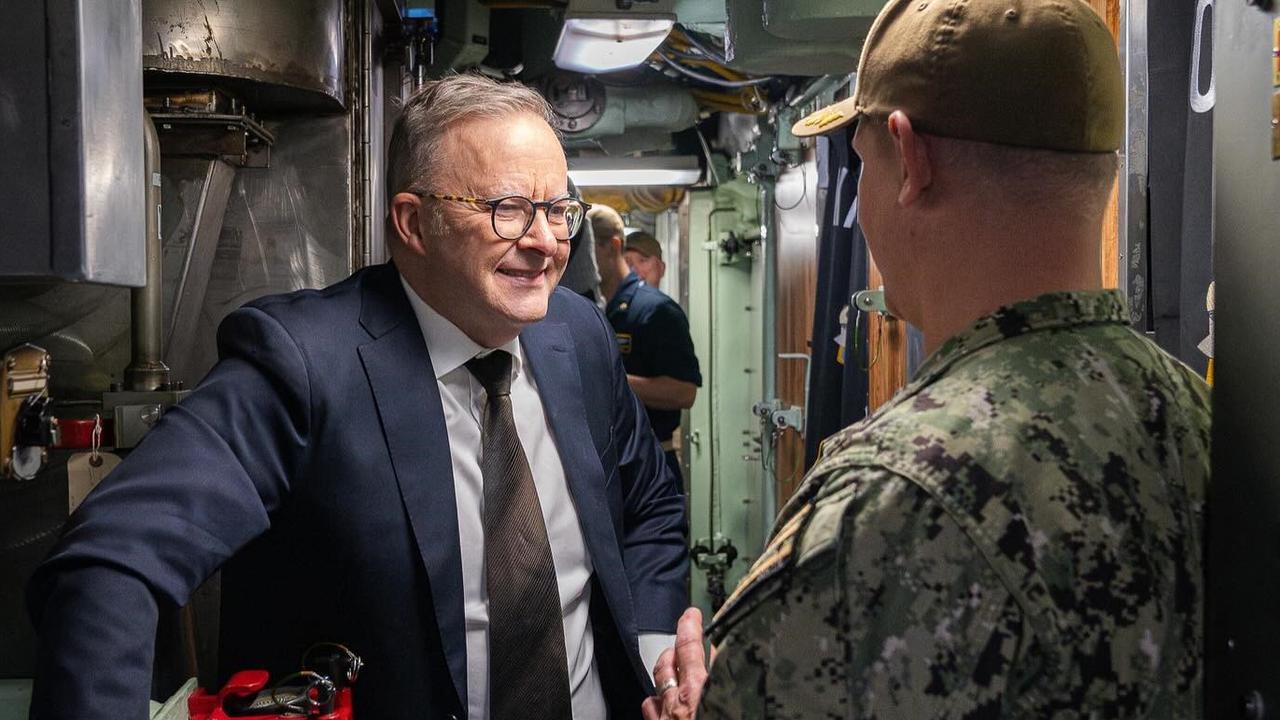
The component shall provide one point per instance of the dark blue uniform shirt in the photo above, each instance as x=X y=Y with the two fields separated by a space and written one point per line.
x=653 y=337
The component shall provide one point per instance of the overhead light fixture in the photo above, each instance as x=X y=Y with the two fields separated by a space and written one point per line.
x=679 y=171
x=598 y=37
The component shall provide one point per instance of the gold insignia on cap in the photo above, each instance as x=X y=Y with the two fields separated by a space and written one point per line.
x=824 y=117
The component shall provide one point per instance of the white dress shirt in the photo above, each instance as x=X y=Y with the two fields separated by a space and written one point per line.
x=463 y=399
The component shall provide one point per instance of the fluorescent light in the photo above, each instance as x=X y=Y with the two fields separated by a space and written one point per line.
x=597 y=178
x=599 y=45
x=595 y=172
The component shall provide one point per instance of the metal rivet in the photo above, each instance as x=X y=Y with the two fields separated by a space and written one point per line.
x=922 y=6
x=1011 y=14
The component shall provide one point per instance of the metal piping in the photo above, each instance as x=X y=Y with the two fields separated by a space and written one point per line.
x=366 y=145
x=147 y=370
x=1134 y=184
x=769 y=238
x=819 y=86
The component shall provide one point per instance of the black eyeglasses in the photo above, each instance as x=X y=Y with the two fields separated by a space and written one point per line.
x=512 y=215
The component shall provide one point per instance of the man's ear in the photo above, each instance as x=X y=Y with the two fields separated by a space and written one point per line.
x=913 y=158
x=406 y=221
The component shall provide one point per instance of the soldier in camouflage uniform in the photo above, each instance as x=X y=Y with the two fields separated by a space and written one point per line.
x=1018 y=533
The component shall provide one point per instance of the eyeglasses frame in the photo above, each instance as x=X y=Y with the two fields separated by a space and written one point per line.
x=492 y=203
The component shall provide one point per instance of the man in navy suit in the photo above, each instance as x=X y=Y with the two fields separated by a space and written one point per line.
x=436 y=462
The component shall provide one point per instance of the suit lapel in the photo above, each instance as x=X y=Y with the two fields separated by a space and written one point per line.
x=548 y=348
x=398 y=367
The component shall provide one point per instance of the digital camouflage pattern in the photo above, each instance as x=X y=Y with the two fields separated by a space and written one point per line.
x=1017 y=534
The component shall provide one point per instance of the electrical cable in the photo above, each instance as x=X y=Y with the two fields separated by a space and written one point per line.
x=706 y=151
x=857 y=327
x=710 y=80
x=804 y=192
x=688 y=37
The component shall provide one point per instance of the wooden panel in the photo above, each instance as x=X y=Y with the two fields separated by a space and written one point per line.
x=1110 y=11
x=1111 y=241
x=886 y=351
x=797 y=294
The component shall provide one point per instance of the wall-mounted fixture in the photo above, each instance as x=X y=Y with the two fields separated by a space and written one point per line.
x=681 y=171
x=602 y=36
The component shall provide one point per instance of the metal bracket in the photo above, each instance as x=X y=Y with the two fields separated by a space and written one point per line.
x=790 y=417
x=136 y=412
x=871 y=301
x=778 y=416
x=210 y=124
x=714 y=556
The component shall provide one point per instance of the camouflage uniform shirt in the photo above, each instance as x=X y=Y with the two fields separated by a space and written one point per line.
x=1017 y=534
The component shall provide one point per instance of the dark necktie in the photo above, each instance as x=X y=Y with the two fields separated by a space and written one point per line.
x=528 y=673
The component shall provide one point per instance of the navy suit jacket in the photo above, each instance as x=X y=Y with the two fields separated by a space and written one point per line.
x=313 y=461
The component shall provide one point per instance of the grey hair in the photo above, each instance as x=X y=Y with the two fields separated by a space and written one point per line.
x=437 y=106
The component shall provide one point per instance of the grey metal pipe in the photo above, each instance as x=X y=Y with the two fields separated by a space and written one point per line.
x=366 y=145
x=1134 y=278
x=769 y=246
x=147 y=370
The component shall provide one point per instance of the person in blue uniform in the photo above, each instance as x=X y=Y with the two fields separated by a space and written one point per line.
x=652 y=331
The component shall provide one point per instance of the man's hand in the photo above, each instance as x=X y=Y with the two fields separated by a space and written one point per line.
x=680 y=673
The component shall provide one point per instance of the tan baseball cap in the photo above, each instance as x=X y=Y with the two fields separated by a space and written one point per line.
x=644 y=243
x=1032 y=73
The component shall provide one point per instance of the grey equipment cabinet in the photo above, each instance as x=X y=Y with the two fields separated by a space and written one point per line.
x=72 y=193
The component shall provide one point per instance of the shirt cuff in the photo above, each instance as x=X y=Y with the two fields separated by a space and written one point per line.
x=651 y=646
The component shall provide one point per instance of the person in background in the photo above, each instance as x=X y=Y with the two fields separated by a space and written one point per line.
x=652 y=332
x=1019 y=532
x=580 y=274
x=643 y=254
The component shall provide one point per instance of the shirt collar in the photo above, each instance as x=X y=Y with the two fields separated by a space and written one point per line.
x=450 y=348
x=1045 y=312
x=624 y=291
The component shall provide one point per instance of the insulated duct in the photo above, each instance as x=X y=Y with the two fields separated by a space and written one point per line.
x=587 y=112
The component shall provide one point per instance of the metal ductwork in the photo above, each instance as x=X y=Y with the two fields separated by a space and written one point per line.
x=618 y=119
x=278 y=55
x=283 y=223
x=816 y=37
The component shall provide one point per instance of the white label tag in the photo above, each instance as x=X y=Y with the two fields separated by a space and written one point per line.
x=83 y=476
